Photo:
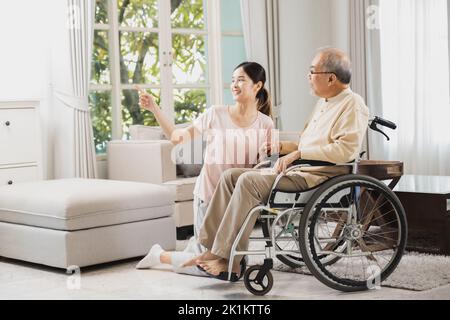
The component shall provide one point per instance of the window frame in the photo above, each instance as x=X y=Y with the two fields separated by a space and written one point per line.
x=214 y=85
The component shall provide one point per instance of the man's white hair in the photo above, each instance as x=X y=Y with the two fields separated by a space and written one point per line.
x=336 y=61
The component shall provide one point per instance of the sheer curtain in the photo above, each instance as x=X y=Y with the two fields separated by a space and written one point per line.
x=74 y=152
x=365 y=57
x=415 y=84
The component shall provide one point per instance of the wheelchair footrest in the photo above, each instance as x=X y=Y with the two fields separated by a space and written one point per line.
x=268 y=264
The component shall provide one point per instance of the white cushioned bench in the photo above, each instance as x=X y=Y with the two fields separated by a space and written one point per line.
x=83 y=222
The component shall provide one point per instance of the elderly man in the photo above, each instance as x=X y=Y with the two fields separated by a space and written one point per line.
x=334 y=133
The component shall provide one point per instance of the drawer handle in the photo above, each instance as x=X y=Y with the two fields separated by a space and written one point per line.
x=10 y=182
x=7 y=123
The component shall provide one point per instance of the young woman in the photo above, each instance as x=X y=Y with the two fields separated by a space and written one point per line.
x=233 y=135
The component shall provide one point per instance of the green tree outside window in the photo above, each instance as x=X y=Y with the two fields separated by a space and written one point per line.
x=139 y=63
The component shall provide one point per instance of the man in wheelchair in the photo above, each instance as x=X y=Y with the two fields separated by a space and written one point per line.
x=333 y=134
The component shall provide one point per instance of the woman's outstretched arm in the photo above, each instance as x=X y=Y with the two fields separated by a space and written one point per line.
x=175 y=135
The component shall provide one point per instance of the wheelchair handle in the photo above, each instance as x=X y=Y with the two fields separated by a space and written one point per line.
x=384 y=123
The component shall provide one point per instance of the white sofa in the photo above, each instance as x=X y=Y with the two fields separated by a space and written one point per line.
x=147 y=157
x=83 y=222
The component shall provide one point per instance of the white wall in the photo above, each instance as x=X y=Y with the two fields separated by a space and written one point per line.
x=305 y=26
x=27 y=60
x=24 y=59
x=24 y=49
x=340 y=24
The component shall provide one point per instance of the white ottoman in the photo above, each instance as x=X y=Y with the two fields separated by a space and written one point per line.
x=82 y=222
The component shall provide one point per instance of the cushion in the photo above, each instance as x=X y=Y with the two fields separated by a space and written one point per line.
x=189 y=170
x=183 y=188
x=75 y=204
x=189 y=156
x=138 y=132
x=147 y=161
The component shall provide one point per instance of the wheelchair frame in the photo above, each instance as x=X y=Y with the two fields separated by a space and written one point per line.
x=302 y=198
x=276 y=216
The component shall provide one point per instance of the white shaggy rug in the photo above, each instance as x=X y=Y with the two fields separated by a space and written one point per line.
x=415 y=271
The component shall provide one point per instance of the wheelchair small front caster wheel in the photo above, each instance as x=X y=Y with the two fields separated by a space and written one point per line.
x=258 y=281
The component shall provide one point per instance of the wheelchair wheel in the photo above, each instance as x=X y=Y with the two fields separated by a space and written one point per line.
x=258 y=287
x=286 y=237
x=360 y=220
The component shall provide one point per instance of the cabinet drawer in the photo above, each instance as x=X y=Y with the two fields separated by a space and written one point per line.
x=18 y=136
x=19 y=174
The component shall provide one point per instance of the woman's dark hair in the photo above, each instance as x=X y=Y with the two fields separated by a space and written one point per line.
x=256 y=72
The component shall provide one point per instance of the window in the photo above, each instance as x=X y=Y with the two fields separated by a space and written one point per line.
x=170 y=48
x=233 y=46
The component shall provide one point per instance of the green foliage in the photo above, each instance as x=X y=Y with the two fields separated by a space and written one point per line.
x=139 y=63
x=138 y=13
x=189 y=104
x=100 y=61
x=139 y=57
x=100 y=103
x=190 y=55
x=188 y=14
x=101 y=11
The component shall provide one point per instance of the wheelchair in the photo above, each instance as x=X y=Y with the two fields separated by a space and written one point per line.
x=350 y=231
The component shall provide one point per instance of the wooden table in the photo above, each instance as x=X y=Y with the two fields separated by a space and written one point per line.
x=426 y=200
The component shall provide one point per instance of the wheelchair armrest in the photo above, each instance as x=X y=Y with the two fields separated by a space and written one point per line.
x=308 y=163
x=305 y=163
x=263 y=164
x=312 y=163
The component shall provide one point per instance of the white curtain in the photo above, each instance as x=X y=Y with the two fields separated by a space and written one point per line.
x=260 y=24
x=72 y=52
x=415 y=83
x=358 y=41
x=366 y=64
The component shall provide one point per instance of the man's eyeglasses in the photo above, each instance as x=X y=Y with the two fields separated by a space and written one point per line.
x=320 y=72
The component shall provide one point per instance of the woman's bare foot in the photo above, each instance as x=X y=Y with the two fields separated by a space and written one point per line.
x=206 y=256
x=215 y=267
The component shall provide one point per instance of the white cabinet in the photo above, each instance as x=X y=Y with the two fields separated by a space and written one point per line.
x=20 y=142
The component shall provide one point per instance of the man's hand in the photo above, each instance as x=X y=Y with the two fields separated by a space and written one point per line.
x=146 y=100
x=283 y=163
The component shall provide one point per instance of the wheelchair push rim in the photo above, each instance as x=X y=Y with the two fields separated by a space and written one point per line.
x=361 y=221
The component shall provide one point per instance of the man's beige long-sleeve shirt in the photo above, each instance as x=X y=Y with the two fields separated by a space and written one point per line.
x=334 y=133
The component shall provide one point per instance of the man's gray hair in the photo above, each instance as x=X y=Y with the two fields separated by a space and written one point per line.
x=336 y=61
